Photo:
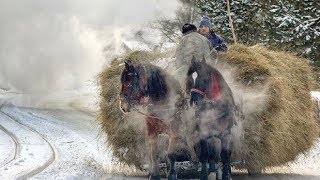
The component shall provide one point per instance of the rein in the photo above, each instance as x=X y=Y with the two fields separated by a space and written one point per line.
x=150 y=116
x=147 y=115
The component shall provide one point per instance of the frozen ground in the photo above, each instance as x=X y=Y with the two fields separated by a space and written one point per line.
x=37 y=143
x=50 y=145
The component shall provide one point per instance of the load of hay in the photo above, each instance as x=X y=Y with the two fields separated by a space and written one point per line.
x=280 y=120
x=275 y=130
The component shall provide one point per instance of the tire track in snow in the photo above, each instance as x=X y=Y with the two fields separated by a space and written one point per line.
x=51 y=146
x=75 y=135
x=17 y=145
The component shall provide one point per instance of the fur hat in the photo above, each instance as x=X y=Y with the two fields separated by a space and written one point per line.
x=188 y=28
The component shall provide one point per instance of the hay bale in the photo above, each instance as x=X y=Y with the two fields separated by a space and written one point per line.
x=285 y=125
x=275 y=131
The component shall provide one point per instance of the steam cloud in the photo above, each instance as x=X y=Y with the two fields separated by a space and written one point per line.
x=55 y=45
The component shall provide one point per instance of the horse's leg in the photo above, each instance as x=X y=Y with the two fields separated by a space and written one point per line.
x=201 y=149
x=172 y=149
x=226 y=156
x=172 y=171
x=154 y=158
x=152 y=139
x=214 y=150
x=172 y=158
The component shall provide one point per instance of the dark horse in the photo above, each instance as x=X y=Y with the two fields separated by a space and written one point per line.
x=215 y=115
x=141 y=82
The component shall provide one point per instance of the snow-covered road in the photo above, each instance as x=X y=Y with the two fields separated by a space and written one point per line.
x=32 y=152
x=67 y=144
x=55 y=144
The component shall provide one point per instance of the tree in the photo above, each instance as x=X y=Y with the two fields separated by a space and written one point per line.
x=286 y=24
x=186 y=13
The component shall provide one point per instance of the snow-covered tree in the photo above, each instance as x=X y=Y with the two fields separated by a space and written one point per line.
x=186 y=13
x=292 y=25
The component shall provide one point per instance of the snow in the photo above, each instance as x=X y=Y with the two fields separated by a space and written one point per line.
x=168 y=45
x=286 y=20
x=315 y=95
x=308 y=163
x=274 y=10
x=68 y=143
x=307 y=50
x=6 y=147
x=308 y=38
x=238 y=21
x=137 y=46
x=84 y=98
x=33 y=150
x=78 y=149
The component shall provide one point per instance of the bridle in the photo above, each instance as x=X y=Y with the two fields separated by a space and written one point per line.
x=202 y=93
x=213 y=96
x=197 y=90
x=129 y=88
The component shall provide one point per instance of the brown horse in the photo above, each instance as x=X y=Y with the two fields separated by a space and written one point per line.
x=215 y=108
x=141 y=82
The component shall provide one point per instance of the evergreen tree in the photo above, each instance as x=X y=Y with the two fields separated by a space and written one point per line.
x=286 y=24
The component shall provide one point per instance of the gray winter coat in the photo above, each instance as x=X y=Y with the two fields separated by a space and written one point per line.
x=192 y=44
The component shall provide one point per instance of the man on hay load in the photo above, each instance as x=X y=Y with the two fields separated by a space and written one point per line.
x=216 y=41
x=200 y=44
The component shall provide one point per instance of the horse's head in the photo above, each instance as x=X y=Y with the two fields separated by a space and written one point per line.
x=202 y=83
x=197 y=81
x=133 y=86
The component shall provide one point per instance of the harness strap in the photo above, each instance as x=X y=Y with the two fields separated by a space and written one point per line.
x=198 y=91
x=151 y=116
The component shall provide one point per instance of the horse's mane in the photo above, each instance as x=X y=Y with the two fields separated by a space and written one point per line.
x=157 y=86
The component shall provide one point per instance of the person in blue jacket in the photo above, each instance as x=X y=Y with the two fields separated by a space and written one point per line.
x=206 y=30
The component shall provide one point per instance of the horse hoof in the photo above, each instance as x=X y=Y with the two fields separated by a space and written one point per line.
x=228 y=177
x=204 y=177
x=172 y=176
x=154 y=177
x=212 y=176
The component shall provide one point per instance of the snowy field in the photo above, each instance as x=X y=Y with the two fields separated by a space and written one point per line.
x=38 y=143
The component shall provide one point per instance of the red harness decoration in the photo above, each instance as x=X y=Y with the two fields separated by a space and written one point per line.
x=215 y=91
x=215 y=94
